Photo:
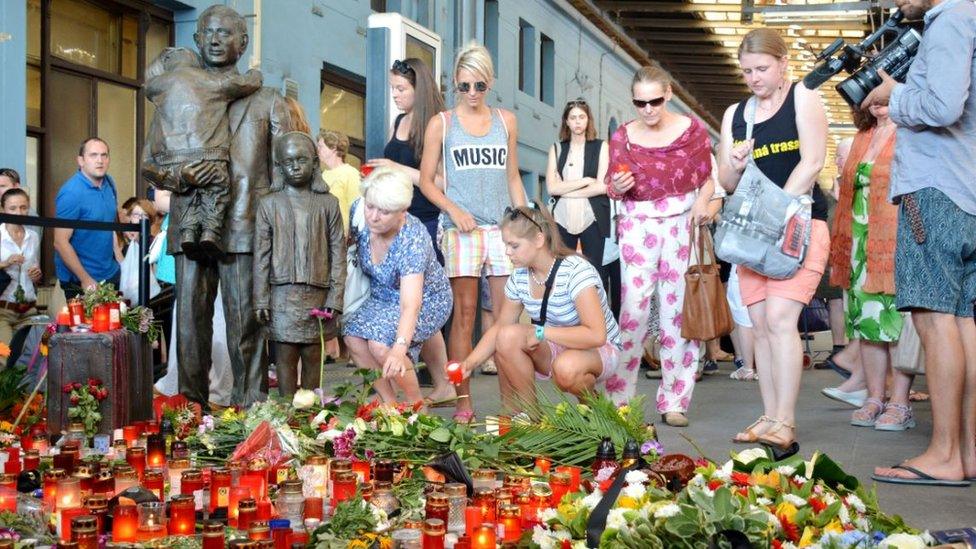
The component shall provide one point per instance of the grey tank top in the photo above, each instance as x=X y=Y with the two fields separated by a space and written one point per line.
x=475 y=169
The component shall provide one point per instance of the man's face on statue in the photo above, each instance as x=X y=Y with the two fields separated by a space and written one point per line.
x=220 y=41
x=296 y=161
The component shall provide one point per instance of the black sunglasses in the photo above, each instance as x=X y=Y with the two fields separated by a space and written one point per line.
x=576 y=103
x=640 y=103
x=402 y=67
x=465 y=87
x=514 y=213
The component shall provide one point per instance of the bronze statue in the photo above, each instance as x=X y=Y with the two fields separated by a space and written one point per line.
x=299 y=262
x=191 y=125
x=255 y=120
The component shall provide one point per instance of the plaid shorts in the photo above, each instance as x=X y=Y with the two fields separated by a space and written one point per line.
x=480 y=252
x=940 y=273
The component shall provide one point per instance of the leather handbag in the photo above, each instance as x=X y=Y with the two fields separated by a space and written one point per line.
x=763 y=227
x=357 y=282
x=705 y=312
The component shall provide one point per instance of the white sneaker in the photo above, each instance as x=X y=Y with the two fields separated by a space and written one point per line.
x=853 y=398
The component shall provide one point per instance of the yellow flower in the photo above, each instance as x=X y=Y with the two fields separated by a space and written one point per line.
x=627 y=502
x=567 y=510
x=786 y=510
x=6 y=426
x=834 y=527
x=771 y=480
x=806 y=539
x=623 y=410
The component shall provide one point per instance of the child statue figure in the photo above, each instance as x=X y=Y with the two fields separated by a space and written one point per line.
x=299 y=261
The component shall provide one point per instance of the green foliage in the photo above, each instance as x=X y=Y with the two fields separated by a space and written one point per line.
x=352 y=518
x=11 y=387
x=28 y=525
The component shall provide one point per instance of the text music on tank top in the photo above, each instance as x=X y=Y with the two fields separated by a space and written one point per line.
x=467 y=157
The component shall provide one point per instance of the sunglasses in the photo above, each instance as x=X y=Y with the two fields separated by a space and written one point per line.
x=576 y=103
x=640 y=103
x=514 y=213
x=402 y=67
x=465 y=87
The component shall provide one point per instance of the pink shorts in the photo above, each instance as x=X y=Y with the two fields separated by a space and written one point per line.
x=755 y=287
x=608 y=356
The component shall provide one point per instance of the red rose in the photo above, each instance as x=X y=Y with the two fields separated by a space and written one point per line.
x=103 y=394
x=76 y=385
x=74 y=400
x=68 y=387
x=93 y=391
x=92 y=382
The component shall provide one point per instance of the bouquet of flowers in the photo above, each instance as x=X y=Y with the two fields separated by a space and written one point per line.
x=85 y=402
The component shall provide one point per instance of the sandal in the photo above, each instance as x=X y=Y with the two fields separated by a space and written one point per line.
x=781 y=444
x=918 y=396
x=896 y=417
x=867 y=415
x=750 y=434
x=744 y=374
x=463 y=417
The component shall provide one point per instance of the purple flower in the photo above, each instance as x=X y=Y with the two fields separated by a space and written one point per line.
x=652 y=446
x=343 y=444
x=321 y=314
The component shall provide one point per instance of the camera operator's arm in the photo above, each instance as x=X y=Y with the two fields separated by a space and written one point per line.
x=938 y=100
x=811 y=125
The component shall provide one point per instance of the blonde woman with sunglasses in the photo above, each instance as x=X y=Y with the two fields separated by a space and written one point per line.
x=478 y=146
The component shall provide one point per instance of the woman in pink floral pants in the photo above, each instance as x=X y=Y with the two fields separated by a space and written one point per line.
x=661 y=168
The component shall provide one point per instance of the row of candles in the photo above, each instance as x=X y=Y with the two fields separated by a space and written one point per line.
x=105 y=317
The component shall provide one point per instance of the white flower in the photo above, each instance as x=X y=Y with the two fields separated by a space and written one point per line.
x=746 y=457
x=799 y=480
x=722 y=474
x=541 y=537
x=855 y=503
x=903 y=541
x=785 y=470
x=412 y=419
x=319 y=418
x=561 y=535
x=697 y=480
x=765 y=502
x=635 y=491
x=545 y=515
x=303 y=399
x=797 y=501
x=636 y=477
x=667 y=511
x=862 y=524
x=844 y=515
x=727 y=468
x=590 y=501
x=579 y=544
x=616 y=520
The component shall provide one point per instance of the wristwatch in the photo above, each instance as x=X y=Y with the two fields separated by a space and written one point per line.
x=400 y=341
x=540 y=332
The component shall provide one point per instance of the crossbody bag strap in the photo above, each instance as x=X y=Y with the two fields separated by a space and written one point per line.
x=750 y=116
x=548 y=290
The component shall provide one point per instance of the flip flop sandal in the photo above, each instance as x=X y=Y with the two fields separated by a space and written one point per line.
x=921 y=478
x=844 y=372
x=465 y=417
x=918 y=396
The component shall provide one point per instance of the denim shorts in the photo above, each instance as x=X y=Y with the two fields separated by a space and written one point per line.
x=940 y=273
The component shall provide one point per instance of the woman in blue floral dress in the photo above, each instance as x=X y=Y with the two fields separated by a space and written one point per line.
x=409 y=296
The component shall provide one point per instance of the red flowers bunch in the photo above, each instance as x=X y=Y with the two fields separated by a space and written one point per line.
x=85 y=403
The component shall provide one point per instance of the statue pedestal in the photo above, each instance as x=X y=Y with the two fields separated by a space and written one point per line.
x=120 y=359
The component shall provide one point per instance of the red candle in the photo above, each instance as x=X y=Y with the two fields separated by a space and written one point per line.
x=191 y=484
x=454 y=373
x=51 y=478
x=472 y=520
x=114 y=316
x=130 y=433
x=155 y=451
x=66 y=516
x=182 y=520
x=511 y=521
x=574 y=476
x=343 y=487
x=12 y=467
x=32 y=460
x=247 y=512
x=433 y=536
x=257 y=481
x=101 y=318
x=237 y=493
x=219 y=488
x=77 y=312
x=282 y=536
x=8 y=500
x=361 y=468
x=484 y=537
x=136 y=456
x=64 y=317
x=152 y=480
x=559 y=483
x=264 y=510
x=543 y=464
x=313 y=508
x=213 y=535
x=124 y=523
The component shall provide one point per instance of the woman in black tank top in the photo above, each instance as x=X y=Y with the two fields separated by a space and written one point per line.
x=415 y=92
x=788 y=145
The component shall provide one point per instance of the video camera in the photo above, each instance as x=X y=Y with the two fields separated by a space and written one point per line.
x=895 y=58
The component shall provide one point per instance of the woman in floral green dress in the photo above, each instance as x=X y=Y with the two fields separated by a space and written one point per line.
x=862 y=262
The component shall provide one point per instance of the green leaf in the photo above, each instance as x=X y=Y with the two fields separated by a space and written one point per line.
x=441 y=435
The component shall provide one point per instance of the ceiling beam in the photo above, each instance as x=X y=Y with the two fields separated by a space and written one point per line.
x=677 y=36
x=663 y=23
x=667 y=7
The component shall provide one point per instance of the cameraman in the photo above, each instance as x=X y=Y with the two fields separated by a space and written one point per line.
x=933 y=177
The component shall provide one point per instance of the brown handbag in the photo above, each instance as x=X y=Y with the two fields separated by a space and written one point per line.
x=705 y=312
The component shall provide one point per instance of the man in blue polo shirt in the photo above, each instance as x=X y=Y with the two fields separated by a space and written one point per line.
x=85 y=257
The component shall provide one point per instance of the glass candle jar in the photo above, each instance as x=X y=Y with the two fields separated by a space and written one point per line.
x=97 y=506
x=69 y=493
x=86 y=478
x=291 y=501
x=362 y=469
x=213 y=535
x=574 y=476
x=191 y=484
x=237 y=493
x=125 y=477
x=559 y=484
x=541 y=496
x=8 y=480
x=484 y=478
x=64 y=518
x=434 y=530
x=457 y=500
x=84 y=532
x=155 y=450
x=130 y=434
x=407 y=538
x=65 y=459
x=337 y=466
x=316 y=476
x=484 y=537
x=516 y=484
x=313 y=508
x=247 y=512
x=437 y=506
x=175 y=468
x=384 y=470
x=384 y=498
x=343 y=486
x=135 y=456
x=152 y=480
x=8 y=500
x=152 y=520
x=484 y=499
x=503 y=496
x=51 y=478
x=281 y=533
x=32 y=460
x=125 y=522
x=179 y=449
x=220 y=483
x=510 y=519
x=259 y=530
x=182 y=516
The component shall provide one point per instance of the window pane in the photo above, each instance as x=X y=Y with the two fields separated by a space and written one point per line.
x=130 y=47
x=33 y=96
x=342 y=111
x=34 y=31
x=420 y=50
x=85 y=34
x=29 y=182
x=68 y=123
x=157 y=38
x=117 y=126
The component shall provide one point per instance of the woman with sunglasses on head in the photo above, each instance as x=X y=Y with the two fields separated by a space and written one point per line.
x=788 y=145
x=478 y=146
x=416 y=94
x=573 y=339
x=661 y=168
x=575 y=179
